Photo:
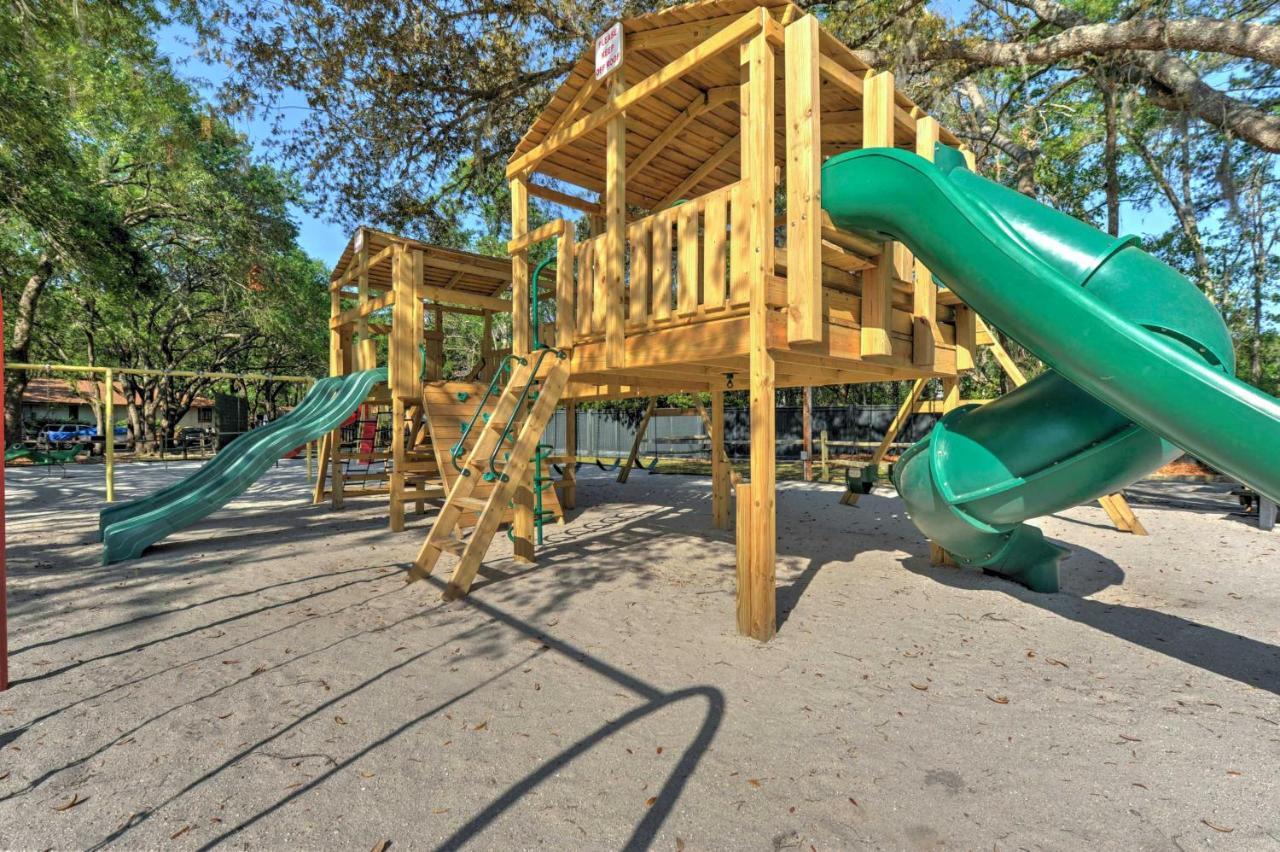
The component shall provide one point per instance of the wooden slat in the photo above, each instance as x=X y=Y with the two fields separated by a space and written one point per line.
x=586 y=286
x=566 y=318
x=739 y=246
x=638 y=295
x=804 y=191
x=687 y=253
x=715 y=243
x=661 y=292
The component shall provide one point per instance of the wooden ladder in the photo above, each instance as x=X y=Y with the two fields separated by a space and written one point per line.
x=445 y=534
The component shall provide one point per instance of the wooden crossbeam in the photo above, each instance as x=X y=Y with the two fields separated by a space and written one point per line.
x=699 y=174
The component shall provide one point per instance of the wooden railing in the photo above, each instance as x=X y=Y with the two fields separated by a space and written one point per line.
x=683 y=263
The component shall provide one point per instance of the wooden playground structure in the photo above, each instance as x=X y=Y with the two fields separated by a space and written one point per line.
x=687 y=274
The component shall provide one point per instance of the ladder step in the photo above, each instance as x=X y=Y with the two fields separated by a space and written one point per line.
x=476 y=504
x=452 y=545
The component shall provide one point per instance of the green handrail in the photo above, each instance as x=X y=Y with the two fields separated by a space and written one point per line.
x=515 y=412
x=533 y=298
x=457 y=450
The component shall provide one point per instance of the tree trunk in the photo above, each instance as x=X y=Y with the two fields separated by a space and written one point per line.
x=18 y=348
x=1110 y=156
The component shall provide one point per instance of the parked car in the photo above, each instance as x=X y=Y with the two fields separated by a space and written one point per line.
x=68 y=432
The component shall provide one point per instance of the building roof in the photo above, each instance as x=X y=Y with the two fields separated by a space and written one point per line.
x=45 y=390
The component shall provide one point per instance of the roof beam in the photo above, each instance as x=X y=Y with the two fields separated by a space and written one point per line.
x=745 y=27
x=708 y=166
x=706 y=101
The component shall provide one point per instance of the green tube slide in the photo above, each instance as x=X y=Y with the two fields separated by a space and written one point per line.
x=127 y=529
x=1141 y=364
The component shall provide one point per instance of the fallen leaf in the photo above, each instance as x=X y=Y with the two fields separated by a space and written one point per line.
x=1220 y=828
x=228 y=716
x=754 y=782
x=920 y=686
x=68 y=805
x=651 y=801
x=1129 y=739
x=1051 y=661
x=998 y=699
x=180 y=832
x=340 y=720
x=679 y=844
x=1143 y=786
x=1229 y=772
x=259 y=670
x=659 y=749
x=482 y=726
x=4 y=775
x=364 y=774
x=439 y=810
x=854 y=802
x=230 y=662
x=381 y=846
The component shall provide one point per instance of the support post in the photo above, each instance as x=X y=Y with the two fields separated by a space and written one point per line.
x=877 y=283
x=806 y=432
x=615 y=229
x=804 y=182
x=719 y=464
x=950 y=401
x=366 y=357
x=522 y=523
x=756 y=579
x=398 y=462
x=109 y=430
x=925 y=334
x=569 y=489
x=634 y=455
x=826 y=457
x=850 y=498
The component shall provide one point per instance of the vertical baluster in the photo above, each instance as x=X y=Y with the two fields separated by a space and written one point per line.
x=713 y=250
x=586 y=286
x=739 y=247
x=661 y=264
x=638 y=289
x=687 y=253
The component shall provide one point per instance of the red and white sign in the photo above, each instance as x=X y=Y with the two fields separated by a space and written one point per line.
x=609 y=51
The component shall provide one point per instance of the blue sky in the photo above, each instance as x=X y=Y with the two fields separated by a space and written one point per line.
x=321 y=239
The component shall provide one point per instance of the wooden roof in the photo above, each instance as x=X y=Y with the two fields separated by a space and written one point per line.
x=709 y=135
x=442 y=267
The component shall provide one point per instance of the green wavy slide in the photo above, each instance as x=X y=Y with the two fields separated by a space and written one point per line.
x=1141 y=364
x=127 y=529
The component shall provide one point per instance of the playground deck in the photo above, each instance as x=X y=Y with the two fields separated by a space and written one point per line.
x=265 y=669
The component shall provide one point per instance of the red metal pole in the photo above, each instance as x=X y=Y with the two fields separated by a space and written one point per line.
x=4 y=578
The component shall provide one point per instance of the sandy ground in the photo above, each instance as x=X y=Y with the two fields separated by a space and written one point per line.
x=267 y=680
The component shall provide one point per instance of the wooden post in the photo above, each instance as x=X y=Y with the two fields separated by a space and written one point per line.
x=634 y=455
x=806 y=432
x=925 y=334
x=719 y=464
x=366 y=353
x=522 y=523
x=398 y=461
x=877 y=283
x=569 y=490
x=616 y=229
x=565 y=319
x=742 y=540
x=804 y=182
x=826 y=457
x=109 y=429
x=756 y=591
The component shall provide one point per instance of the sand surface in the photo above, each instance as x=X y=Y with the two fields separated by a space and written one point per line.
x=267 y=680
